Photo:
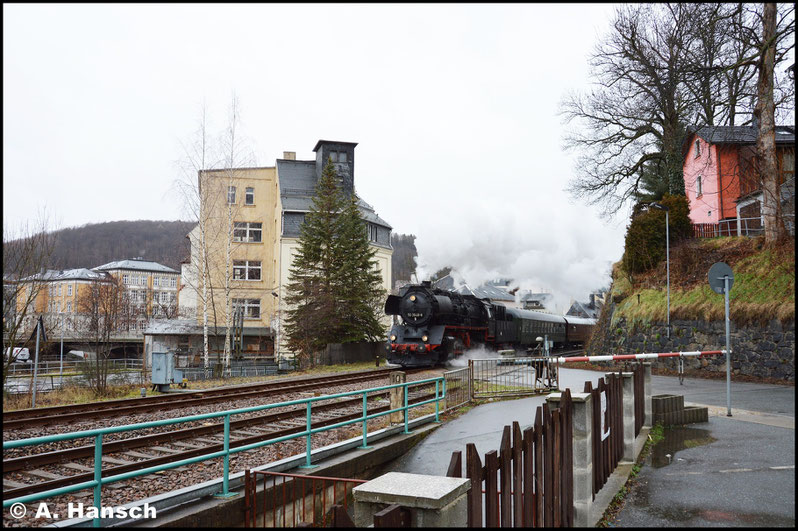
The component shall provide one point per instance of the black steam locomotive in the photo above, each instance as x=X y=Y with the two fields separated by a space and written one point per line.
x=438 y=325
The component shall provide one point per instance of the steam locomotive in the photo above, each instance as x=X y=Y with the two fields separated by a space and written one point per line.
x=438 y=325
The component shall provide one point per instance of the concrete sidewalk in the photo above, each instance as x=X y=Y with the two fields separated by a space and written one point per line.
x=736 y=471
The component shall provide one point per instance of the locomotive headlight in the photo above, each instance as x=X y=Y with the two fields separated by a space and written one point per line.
x=393 y=337
x=424 y=338
x=412 y=298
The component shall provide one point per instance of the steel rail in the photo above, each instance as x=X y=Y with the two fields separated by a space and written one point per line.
x=177 y=401
x=97 y=483
x=120 y=469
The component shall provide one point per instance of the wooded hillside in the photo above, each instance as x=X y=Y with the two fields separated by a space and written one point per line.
x=96 y=244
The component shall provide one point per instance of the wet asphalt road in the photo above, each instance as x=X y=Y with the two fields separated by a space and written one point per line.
x=731 y=471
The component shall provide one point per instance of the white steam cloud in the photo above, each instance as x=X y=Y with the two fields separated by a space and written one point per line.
x=543 y=249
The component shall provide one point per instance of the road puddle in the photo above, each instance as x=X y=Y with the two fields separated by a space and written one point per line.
x=677 y=438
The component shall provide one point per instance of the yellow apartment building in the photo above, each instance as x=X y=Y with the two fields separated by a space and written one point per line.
x=267 y=206
x=151 y=292
x=56 y=294
x=152 y=288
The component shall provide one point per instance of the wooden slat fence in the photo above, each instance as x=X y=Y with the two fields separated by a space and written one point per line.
x=607 y=400
x=529 y=481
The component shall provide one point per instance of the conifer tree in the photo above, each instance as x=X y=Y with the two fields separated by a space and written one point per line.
x=359 y=279
x=334 y=289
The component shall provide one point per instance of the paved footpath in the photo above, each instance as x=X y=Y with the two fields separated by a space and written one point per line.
x=731 y=471
x=736 y=471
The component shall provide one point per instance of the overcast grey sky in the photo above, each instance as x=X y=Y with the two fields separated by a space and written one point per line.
x=453 y=107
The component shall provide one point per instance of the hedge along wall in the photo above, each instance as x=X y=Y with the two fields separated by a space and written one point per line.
x=761 y=351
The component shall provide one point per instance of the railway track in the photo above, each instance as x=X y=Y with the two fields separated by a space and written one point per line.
x=198 y=441
x=58 y=415
x=24 y=474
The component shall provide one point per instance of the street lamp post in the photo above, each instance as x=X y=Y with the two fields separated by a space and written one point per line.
x=667 y=260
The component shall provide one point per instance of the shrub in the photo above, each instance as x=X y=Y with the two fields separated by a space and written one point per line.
x=645 y=238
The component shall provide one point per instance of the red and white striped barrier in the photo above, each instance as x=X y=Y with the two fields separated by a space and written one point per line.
x=626 y=357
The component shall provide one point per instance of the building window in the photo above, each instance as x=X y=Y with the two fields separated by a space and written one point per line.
x=697 y=148
x=334 y=156
x=249 y=197
x=69 y=290
x=246 y=269
x=69 y=307
x=699 y=186
x=245 y=231
x=251 y=307
x=59 y=290
x=231 y=194
x=342 y=156
x=125 y=280
x=173 y=282
x=371 y=230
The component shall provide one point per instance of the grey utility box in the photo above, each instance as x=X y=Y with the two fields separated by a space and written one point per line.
x=164 y=373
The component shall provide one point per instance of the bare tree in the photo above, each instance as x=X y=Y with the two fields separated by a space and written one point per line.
x=27 y=250
x=661 y=68
x=213 y=239
x=766 y=138
x=200 y=203
x=100 y=306
x=635 y=116
x=236 y=156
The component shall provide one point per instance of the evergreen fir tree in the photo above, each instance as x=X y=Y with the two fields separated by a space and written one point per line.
x=334 y=289
x=359 y=280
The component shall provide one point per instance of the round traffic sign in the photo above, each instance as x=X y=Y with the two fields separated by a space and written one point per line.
x=717 y=272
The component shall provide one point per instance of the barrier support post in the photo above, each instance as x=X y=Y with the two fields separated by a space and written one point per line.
x=397 y=396
x=647 y=421
x=582 y=424
x=628 y=417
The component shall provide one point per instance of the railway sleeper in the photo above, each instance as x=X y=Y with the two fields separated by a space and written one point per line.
x=214 y=447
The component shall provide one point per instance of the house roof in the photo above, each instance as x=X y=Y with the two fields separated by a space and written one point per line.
x=487 y=291
x=297 y=180
x=135 y=264
x=741 y=134
x=320 y=142
x=52 y=275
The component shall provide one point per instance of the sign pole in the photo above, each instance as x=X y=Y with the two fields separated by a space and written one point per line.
x=36 y=362
x=728 y=347
x=61 y=367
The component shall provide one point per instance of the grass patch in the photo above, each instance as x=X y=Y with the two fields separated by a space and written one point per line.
x=763 y=289
x=71 y=394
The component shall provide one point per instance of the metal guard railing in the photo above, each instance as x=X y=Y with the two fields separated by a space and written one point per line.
x=99 y=481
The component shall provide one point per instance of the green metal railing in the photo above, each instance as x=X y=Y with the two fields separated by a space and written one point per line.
x=99 y=481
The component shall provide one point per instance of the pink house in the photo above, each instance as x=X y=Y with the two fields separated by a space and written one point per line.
x=721 y=179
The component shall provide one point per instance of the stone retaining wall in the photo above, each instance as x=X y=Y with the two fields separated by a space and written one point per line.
x=761 y=351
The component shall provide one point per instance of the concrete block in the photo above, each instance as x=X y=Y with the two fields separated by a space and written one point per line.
x=435 y=501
